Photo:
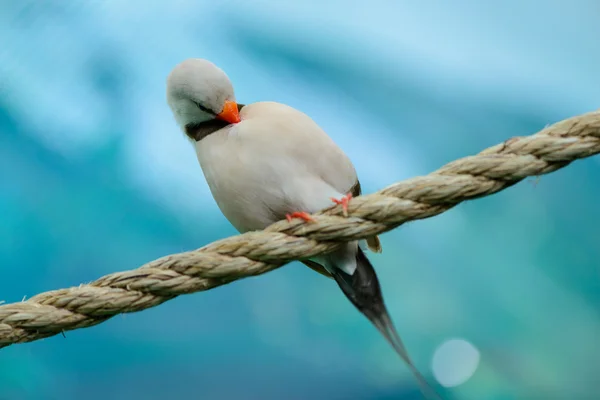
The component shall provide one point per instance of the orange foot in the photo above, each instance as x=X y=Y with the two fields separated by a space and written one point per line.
x=344 y=202
x=301 y=215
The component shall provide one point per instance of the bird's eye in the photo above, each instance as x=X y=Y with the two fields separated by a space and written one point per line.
x=205 y=109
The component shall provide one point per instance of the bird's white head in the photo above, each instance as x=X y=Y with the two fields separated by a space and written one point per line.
x=198 y=91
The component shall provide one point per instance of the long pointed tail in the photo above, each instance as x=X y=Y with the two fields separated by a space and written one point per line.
x=363 y=290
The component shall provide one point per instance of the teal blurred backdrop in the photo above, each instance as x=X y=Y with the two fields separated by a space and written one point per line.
x=495 y=299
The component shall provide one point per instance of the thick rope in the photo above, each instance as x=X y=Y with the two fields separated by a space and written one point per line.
x=254 y=253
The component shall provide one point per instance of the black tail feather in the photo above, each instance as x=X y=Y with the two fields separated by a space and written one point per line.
x=363 y=290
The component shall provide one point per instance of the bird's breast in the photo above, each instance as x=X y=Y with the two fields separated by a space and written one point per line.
x=245 y=182
x=258 y=172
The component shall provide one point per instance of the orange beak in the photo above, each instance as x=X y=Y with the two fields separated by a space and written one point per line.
x=230 y=113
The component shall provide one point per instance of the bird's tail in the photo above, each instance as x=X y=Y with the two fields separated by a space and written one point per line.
x=363 y=290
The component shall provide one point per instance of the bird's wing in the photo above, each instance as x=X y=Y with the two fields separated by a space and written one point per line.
x=333 y=166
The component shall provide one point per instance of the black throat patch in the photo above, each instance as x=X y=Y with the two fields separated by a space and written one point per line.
x=199 y=131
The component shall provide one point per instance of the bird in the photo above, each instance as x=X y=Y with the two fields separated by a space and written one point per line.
x=267 y=161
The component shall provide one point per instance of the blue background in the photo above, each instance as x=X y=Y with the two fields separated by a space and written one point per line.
x=96 y=177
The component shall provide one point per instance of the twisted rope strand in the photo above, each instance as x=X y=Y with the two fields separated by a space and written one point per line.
x=255 y=253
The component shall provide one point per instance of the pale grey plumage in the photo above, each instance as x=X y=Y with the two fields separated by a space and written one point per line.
x=196 y=82
x=276 y=161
